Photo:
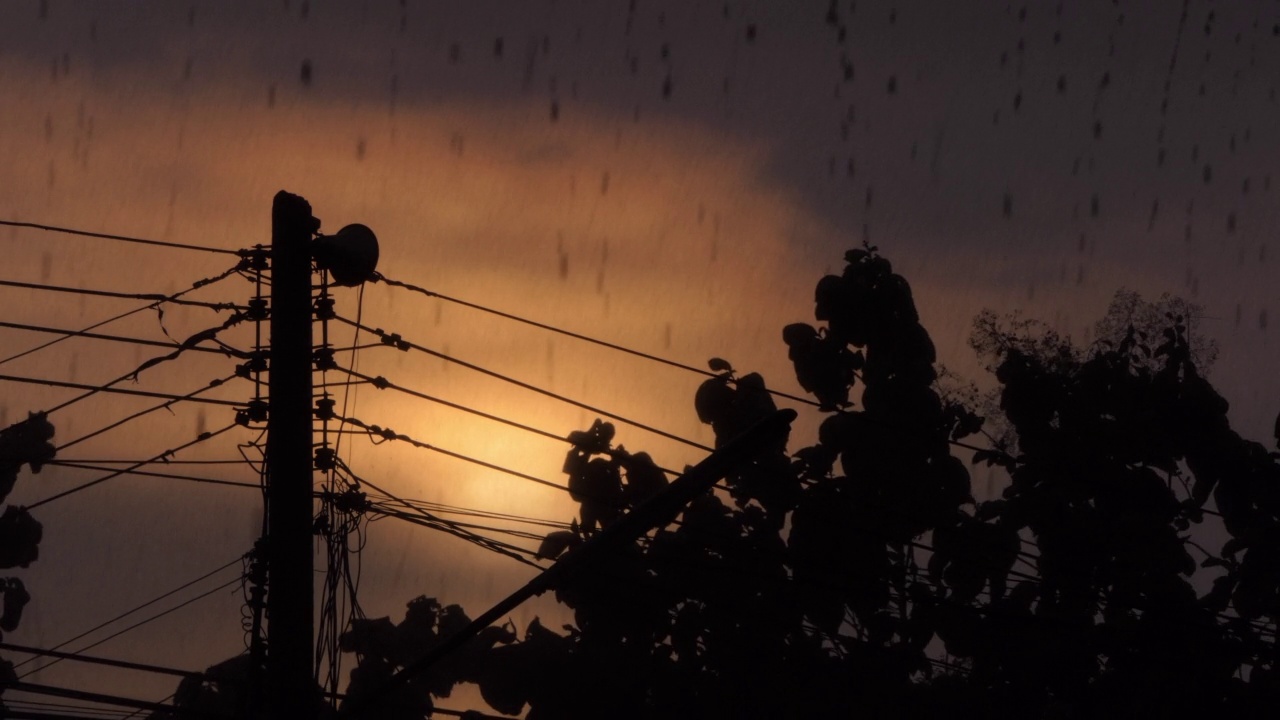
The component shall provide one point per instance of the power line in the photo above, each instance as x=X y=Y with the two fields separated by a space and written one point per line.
x=117 y=461
x=103 y=698
x=124 y=238
x=32 y=710
x=398 y=342
x=140 y=623
x=612 y=346
x=190 y=343
x=117 y=391
x=379 y=277
x=94 y=660
x=199 y=439
x=389 y=434
x=203 y=282
x=155 y=297
x=382 y=383
x=238 y=560
x=162 y=406
x=166 y=476
x=103 y=336
x=441 y=524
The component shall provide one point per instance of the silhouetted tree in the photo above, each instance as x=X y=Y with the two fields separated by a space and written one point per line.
x=1130 y=566
x=23 y=443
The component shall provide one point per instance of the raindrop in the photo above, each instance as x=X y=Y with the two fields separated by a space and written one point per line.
x=497 y=47
x=1155 y=210
x=44 y=9
x=1231 y=222
x=555 y=111
x=455 y=53
x=1262 y=319
x=1093 y=205
x=1062 y=84
x=892 y=85
x=360 y=149
x=1208 y=174
x=305 y=75
x=1008 y=205
x=1017 y=101
x=666 y=87
x=604 y=184
x=751 y=32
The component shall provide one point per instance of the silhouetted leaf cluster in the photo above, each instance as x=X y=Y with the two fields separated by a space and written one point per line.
x=1130 y=566
x=23 y=443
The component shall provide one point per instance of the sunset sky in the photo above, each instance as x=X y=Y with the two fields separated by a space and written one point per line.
x=671 y=176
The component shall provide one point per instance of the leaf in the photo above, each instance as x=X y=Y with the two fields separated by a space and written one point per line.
x=554 y=544
x=719 y=365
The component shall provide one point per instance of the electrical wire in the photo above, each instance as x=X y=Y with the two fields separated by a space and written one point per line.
x=155 y=297
x=145 y=621
x=122 y=238
x=379 y=277
x=188 y=344
x=117 y=391
x=167 y=476
x=95 y=660
x=389 y=434
x=613 y=346
x=103 y=336
x=131 y=611
x=398 y=342
x=162 y=406
x=199 y=439
x=448 y=526
x=203 y=282
x=382 y=383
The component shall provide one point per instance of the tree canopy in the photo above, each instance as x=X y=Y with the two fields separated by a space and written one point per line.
x=1130 y=565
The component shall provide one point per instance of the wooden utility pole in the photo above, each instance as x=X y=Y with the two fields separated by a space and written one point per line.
x=291 y=689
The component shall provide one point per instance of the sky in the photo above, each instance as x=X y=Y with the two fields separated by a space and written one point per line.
x=671 y=176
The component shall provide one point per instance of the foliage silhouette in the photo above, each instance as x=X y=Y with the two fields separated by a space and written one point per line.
x=23 y=443
x=860 y=575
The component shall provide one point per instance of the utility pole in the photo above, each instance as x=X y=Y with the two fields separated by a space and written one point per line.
x=291 y=690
